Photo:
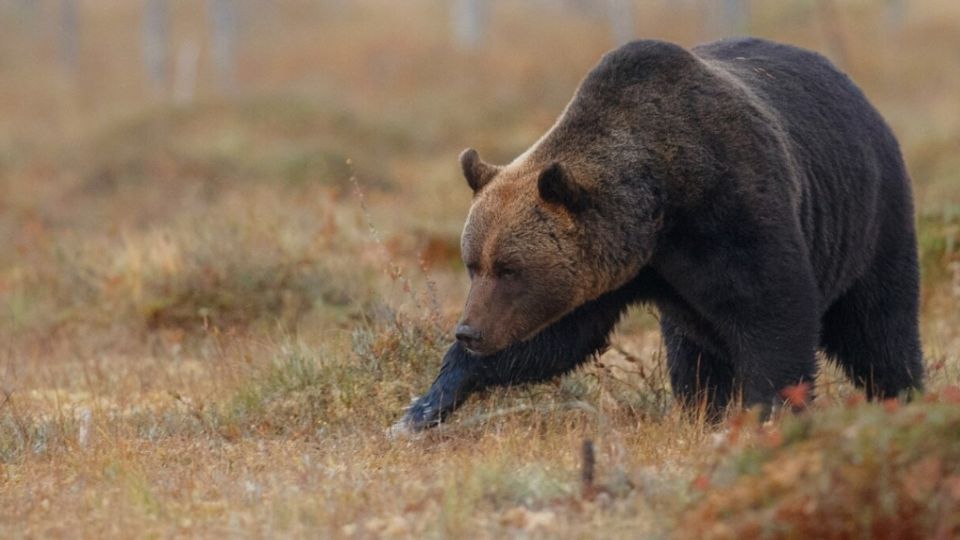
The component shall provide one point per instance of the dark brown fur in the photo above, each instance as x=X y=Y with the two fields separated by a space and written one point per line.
x=745 y=188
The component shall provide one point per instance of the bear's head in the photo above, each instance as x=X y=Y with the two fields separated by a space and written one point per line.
x=538 y=242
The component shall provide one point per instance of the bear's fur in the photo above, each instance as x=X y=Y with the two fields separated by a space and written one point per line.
x=745 y=188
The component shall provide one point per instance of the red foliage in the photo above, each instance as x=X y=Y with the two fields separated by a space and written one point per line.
x=796 y=396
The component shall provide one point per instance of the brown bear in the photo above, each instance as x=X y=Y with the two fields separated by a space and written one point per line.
x=747 y=189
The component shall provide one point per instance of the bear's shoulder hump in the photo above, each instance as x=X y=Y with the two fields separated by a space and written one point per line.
x=640 y=60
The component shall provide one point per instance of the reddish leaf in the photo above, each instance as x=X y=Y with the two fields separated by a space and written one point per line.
x=701 y=482
x=951 y=394
x=854 y=400
x=774 y=438
x=796 y=396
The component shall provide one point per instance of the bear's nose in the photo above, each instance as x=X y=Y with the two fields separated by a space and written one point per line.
x=467 y=335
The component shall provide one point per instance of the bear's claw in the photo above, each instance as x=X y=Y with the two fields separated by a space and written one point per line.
x=456 y=381
x=419 y=416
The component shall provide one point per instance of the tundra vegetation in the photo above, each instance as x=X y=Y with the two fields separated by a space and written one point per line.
x=212 y=307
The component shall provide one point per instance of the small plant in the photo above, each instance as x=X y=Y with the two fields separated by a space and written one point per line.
x=863 y=470
x=939 y=239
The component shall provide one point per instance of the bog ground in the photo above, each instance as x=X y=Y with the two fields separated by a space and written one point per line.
x=218 y=291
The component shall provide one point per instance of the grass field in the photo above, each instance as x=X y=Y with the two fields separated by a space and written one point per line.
x=211 y=311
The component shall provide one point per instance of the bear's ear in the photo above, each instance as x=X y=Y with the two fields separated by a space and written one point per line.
x=556 y=186
x=475 y=170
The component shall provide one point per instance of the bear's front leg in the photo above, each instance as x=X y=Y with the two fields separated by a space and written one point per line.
x=455 y=382
x=768 y=367
x=554 y=351
x=754 y=288
x=771 y=338
x=772 y=333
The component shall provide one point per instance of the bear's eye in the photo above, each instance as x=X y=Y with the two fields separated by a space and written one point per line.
x=504 y=271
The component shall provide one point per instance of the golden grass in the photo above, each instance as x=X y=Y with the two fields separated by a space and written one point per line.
x=205 y=327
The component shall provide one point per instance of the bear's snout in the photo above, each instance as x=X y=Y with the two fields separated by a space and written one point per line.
x=469 y=336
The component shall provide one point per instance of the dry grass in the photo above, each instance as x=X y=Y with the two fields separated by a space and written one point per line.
x=205 y=326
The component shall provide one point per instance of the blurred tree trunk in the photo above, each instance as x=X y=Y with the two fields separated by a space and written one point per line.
x=734 y=16
x=620 y=13
x=26 y=8
x=185 y=75
x=469 y=19
x=69 y=35
x=833 y=31
x=896 y=14
x=156 y=43
x=223 y=23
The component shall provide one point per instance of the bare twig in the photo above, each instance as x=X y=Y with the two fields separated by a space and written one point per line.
x=587 y=470
x=833 y=30
x=394 y=270
x=6 y=399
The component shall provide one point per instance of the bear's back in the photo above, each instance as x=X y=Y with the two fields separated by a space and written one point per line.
x=768 y=107
x=852 y=178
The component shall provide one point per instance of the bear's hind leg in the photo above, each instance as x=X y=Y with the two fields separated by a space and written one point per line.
x=699 y=378
x=872 y=330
